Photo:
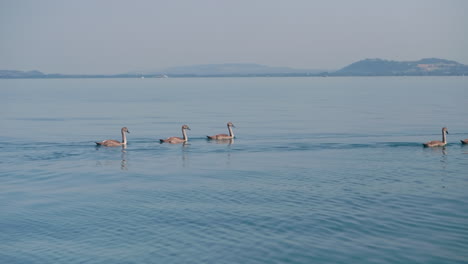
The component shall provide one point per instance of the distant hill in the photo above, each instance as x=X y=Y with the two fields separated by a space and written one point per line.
x=379 y=67
x=13 y=74
x=367 y=67
x=21 y=74
x=234 y=69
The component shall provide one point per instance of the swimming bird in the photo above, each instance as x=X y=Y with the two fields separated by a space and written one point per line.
x=464 y=141
x=230 y=125
x=437 y=143
x=115 y=143
x=175 y=140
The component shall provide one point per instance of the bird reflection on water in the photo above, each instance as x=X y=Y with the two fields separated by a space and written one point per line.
x=123 y=163
x=222 y=141
x=123 y=159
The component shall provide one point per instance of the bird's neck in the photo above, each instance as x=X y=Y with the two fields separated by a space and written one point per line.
x=444 y=137
x=124 y=138
x=184 y=134
x=231 y=134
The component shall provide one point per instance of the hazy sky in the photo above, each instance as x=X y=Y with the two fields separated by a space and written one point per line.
x=114 y=36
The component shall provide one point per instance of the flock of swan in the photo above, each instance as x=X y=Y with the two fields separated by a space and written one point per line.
x=230 y=125
x=171 y=140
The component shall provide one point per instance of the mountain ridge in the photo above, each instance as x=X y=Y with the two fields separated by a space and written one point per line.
x=366 y=67
x=381 y=67
x=234 y=68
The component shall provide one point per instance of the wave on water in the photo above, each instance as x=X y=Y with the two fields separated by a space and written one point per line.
x=47 y=119
x=40 y=119
x=43 y=151
x=307 y=146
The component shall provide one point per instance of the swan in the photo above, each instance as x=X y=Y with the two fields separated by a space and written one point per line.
x=437 y=143
x=230 y=125
x=115 y=143
x=175 y=140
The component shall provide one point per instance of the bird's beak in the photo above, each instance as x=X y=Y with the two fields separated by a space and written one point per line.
x=128 y=131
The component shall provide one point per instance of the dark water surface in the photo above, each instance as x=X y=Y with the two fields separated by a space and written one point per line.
x=322 y=170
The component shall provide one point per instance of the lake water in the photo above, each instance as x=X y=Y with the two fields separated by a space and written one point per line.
x=322 y=170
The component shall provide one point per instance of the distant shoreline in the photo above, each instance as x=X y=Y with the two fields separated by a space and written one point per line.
x=223 y=76
x=362 y=68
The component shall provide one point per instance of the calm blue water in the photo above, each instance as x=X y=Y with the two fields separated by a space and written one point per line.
x=322 y=170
